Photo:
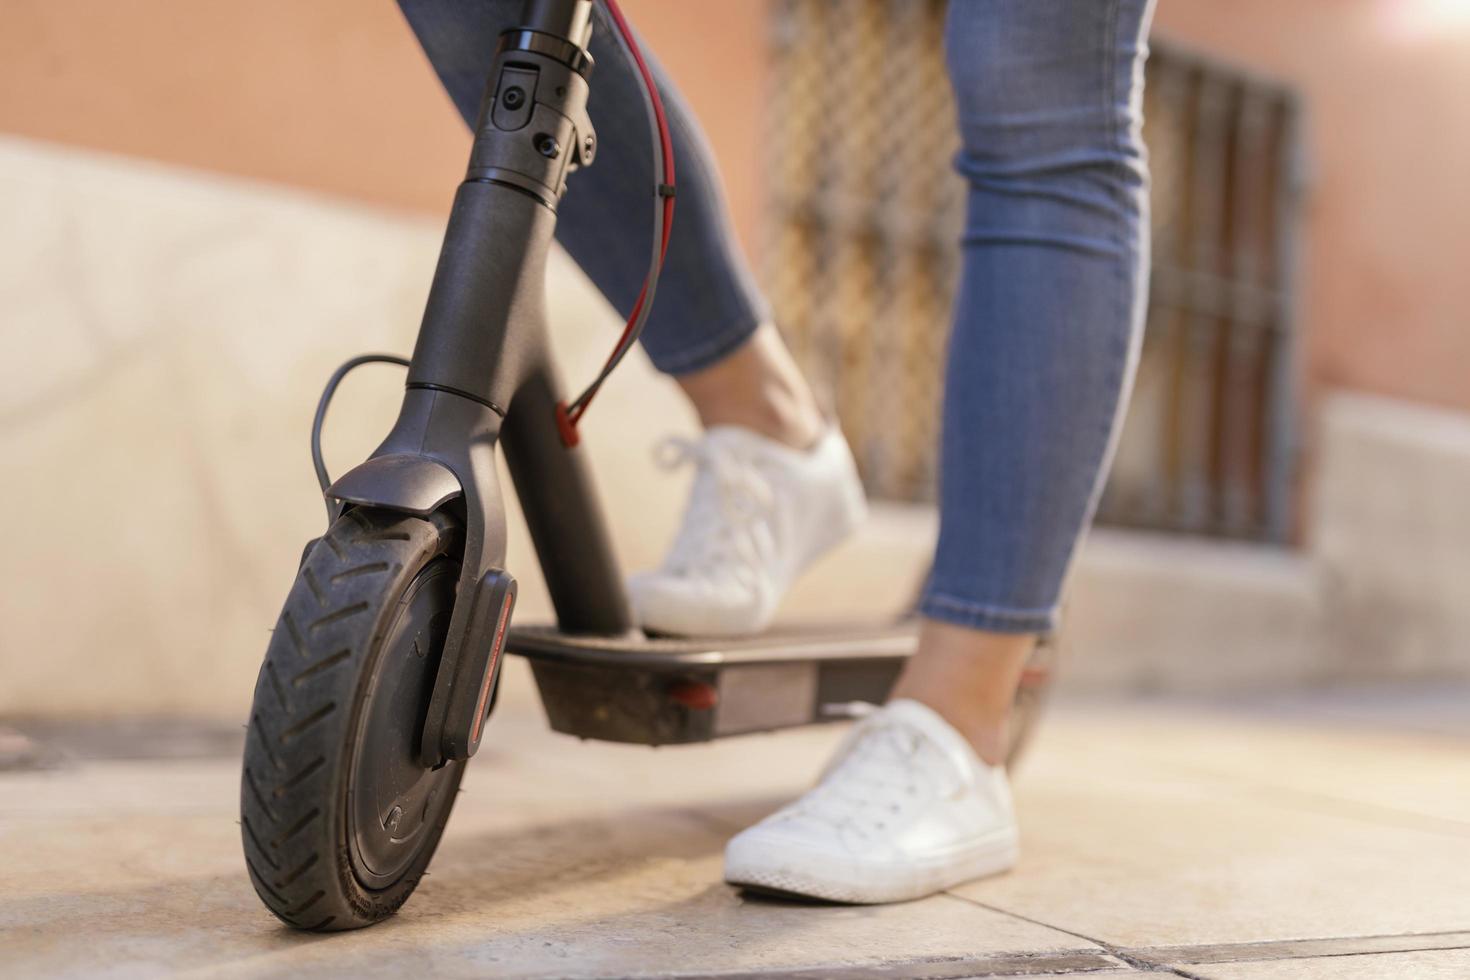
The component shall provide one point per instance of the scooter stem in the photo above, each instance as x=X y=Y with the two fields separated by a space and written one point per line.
x=482 y=371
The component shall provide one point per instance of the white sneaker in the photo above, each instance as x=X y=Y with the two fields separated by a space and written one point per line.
x=905 y=809
x=759 y=513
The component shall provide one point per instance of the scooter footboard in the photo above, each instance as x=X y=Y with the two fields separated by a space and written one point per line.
x=667 y=691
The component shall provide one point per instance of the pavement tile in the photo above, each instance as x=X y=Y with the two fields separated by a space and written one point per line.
x=1439 y=964
x=562 y=860
x=1034 y=966
x=1159 y=832
x=1430 y=706
x=574 y=898
x=1359 y=767
x=1141 y=829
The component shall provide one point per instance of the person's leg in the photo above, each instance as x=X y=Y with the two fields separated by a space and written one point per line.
x=1046 y=332
x=758 y=387
x=776 y=485
x=969 y=677
x=710 y=326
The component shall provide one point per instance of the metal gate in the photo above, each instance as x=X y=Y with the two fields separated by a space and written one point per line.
x=863 y=258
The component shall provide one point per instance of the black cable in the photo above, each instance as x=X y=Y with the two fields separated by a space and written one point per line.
x=321 y=414
x=662 y=157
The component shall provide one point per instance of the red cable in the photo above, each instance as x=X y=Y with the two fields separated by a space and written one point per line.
x=567 y=420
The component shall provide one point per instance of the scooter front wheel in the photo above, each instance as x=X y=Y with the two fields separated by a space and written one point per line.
x=338 y=816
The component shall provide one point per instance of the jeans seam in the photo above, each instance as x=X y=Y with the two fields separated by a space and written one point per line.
x=1113 y=423
x=981 y=615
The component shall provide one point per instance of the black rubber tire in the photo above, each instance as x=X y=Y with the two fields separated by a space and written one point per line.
x=308 y=721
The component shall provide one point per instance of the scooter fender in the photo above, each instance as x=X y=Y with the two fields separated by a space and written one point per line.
x=469 y=668
x=398 y=481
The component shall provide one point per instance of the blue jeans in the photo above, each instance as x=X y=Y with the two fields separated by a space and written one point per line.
x=1050 y=308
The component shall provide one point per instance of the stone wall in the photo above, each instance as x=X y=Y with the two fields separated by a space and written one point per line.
x=167 y=335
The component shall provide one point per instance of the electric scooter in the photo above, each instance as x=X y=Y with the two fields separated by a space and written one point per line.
x=384 y=665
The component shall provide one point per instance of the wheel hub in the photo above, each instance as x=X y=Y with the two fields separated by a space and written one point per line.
x=393 y=801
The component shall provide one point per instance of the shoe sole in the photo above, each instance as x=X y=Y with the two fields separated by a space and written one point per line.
x=881 y=885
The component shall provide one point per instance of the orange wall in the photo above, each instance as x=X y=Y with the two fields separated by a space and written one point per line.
x=1386 y=85
x=332 y=95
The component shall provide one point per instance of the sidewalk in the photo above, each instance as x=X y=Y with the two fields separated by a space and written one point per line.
x=1229 y=842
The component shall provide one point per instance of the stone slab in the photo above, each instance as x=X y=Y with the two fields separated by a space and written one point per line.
x=1145 y=831
x=1446 y=964
x=563 y=859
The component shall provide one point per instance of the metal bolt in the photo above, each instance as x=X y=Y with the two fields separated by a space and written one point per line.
x=514 y=97
x=547 y=146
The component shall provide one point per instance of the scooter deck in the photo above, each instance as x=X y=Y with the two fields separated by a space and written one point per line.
x=666 y=690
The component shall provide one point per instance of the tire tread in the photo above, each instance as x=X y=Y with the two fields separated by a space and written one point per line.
x=296 y=751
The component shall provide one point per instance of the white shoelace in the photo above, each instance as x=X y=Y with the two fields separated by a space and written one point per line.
x=721 y=531
x=876 y=781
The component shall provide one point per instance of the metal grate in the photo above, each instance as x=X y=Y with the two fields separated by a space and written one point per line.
x=863 y=260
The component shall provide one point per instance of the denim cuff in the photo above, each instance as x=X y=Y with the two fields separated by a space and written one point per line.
x=993 y=619
x=712 y=347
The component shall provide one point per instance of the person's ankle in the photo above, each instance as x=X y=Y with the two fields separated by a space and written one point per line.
x=969 y=678
x=989 y=737
x=987 y=731
x=774 y=419
x=758 y=387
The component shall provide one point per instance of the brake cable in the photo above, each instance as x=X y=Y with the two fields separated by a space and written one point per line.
x=569 y=415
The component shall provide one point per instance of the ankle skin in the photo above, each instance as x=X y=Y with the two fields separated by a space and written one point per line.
x=969 y=678
x=757 y=387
